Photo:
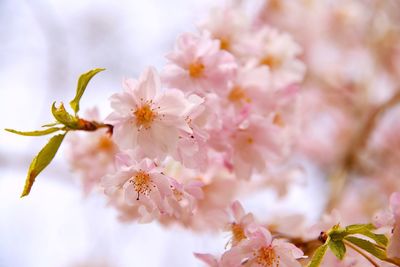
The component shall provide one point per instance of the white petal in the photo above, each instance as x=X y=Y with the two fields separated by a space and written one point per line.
x=172 y=102
x=148 y=85
x=125 y=135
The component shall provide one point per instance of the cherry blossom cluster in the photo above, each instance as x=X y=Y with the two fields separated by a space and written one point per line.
x=253 y=245
x=244 y=103
x=237 y=103
x=220 y=110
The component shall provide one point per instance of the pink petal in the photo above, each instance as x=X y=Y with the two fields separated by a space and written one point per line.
x=129 y=85
x=238 y=211
x=172 y=103
x=395 y=205
x=148 y=85
x=125 y=135
x=162 y=184
x=122 y=103
x=207 y=258
x=393 y=250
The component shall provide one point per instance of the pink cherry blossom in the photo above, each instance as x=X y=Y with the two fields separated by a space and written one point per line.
x=260 y=249
x=145 y=116
x=92 y=154
x=252 y=141
x=252 y=90
x=278 y=52
x=241 y=223
x=208 y=259
x=253 y=245
x=227 y=24
x=389 y=221
x=192 y=148
x=393 y=249
x=211 y=211
x=147 y=192
x=250 y=87
x=184 y=200
x=198 y=65
x=142 y=185
x=243 y=107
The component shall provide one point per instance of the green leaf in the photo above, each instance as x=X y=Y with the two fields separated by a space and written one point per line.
x=378 y=238
x=367 y=246
x=337 y=233
x=42 y=159
x=51 y=124
x=318 y=255
x=34 y=133
x=62 y=116
x=338 y=248
x=357 y=228
x=365 y=229
x=82 y=83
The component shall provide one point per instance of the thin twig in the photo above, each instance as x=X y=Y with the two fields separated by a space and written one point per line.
x=362 y=253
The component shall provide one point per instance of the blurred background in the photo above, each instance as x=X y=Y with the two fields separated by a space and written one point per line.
x=44 y=47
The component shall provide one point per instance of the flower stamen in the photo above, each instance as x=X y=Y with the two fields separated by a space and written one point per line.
x=266 y=257
x=278 y=120
x=272 y=62
x=237 y=94
x=196 y=69
x=142 y=183
x=224 y=43
x=105 y=144
x=237 y=233
x=145 y=115
x=177 y=194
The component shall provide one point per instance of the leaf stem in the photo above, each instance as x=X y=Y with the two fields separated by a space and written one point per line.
x=361 y=252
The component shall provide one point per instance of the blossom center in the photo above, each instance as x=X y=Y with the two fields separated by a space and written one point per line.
x=224 y=43
x=278 y=120
x=142 y=183
x=250 y=140
x=105 y=144
x=177 y=194
x=237 y=233
x=271 y=61
x=196 y=69
x=275 y=5
x=266 y=257
x=144 y=116
x=237 y=94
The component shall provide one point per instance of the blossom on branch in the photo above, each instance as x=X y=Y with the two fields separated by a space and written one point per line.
x=198 y=65
x=147 y=117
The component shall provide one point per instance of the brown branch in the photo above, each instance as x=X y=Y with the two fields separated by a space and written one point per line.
x=91 y=126
x=361 y=139
x=350 y=161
